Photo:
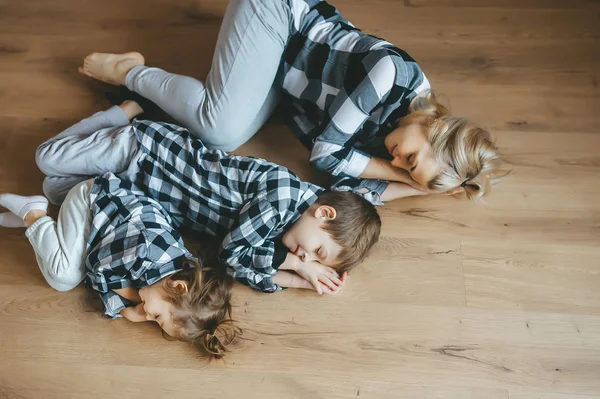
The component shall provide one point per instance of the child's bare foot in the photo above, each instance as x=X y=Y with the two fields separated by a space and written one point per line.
x=110 y=68
x=131 y=108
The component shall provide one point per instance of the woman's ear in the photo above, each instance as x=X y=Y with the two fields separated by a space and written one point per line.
x=180 y=286
x=326 y=212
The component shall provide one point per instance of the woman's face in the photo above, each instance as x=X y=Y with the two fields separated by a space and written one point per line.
x=409 y=147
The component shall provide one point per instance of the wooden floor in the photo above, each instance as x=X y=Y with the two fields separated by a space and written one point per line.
x=498 y=300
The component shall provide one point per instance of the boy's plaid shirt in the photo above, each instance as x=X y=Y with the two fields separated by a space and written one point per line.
x=246 y=201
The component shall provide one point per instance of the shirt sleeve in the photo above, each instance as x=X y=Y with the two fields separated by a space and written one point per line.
x=250 y=250
x=367 y=86
x=113 y=304
x=370 y=189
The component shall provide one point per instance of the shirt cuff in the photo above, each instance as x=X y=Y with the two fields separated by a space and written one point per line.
x=357 y=163
x=114 y=303
x=279 y=255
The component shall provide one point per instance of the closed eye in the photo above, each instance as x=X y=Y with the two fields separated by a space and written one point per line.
x=321 y=253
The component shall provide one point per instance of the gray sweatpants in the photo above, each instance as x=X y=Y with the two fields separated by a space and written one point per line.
x=102 y=143
x=238 y=96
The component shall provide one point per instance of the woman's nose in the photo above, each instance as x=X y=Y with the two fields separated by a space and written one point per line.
x=397 y=162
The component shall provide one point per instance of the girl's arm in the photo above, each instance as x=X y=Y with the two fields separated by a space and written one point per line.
x=129 y=293
x=135 y=314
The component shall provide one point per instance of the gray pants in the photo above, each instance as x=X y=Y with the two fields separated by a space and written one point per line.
x=238 y=95
x=104 y=142
x=60 y=246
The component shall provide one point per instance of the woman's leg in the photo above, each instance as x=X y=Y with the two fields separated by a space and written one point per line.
x=232 y=105
x=101 y=143
x=60 y=247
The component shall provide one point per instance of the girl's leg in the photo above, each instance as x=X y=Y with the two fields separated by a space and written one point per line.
x=231 y=106
x=60 y=247
x=101 y=143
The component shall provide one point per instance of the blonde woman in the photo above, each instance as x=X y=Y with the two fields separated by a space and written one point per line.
x=361 y=105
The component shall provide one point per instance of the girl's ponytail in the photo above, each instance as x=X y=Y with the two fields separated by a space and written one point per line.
x=202 y=314
x=215 y=343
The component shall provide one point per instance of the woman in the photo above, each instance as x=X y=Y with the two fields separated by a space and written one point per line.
x=362 y=105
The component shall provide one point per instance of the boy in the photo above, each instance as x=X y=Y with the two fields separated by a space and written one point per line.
x=270 y=221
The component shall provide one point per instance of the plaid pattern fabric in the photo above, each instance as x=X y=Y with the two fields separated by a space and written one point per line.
x=131 y=243
x=246 y=201
x=346 y=91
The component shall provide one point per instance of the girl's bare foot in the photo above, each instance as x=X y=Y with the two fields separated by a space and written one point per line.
x=110 y=68
x=131 y=109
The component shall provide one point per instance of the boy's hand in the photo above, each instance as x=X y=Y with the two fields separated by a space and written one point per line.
x=323 y=278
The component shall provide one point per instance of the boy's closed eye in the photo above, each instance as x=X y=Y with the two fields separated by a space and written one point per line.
x=321 y=254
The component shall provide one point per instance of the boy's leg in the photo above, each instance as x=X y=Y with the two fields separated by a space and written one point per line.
x=60 y=247
x=237 y=97
x=102 y=143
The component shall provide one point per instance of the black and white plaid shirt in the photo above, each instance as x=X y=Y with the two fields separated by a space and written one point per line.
x=131 y=243
x=248 y=202
x=346 y=91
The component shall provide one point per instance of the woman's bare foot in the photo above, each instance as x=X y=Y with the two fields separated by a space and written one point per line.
x=131 y=109
x=110 y=68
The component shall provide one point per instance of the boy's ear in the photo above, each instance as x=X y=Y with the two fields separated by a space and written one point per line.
x=325 y=212
x=180 y=286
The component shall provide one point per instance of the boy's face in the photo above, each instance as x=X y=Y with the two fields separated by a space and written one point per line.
x=307 y=240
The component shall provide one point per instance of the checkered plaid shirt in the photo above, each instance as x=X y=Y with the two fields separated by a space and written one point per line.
x=346 y=91
x=246 y=201
x=131 y=243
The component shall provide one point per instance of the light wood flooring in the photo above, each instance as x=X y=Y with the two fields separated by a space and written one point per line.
x=458 y=300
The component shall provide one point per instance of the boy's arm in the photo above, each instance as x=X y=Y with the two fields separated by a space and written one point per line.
x=291 y=280
x=315 y=276
x=250 y=250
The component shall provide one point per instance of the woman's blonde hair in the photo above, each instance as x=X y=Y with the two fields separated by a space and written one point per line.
x=202 y=314
x=466 y=151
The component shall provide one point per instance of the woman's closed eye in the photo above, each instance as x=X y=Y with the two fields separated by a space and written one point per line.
x=410 y=160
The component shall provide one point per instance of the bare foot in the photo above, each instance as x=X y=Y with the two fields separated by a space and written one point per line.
x=131 y=109
x=110 y=68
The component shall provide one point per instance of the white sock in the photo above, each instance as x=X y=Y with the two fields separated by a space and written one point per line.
x=9 y=219
x=20 y=205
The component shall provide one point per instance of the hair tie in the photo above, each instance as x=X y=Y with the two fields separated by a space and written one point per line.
x=463 y=184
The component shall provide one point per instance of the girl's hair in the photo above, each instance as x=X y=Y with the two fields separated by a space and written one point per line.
x=466 y=151
x=202 y=314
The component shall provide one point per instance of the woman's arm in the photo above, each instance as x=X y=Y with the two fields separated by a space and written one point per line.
x=382 y=169
x=400 y=190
